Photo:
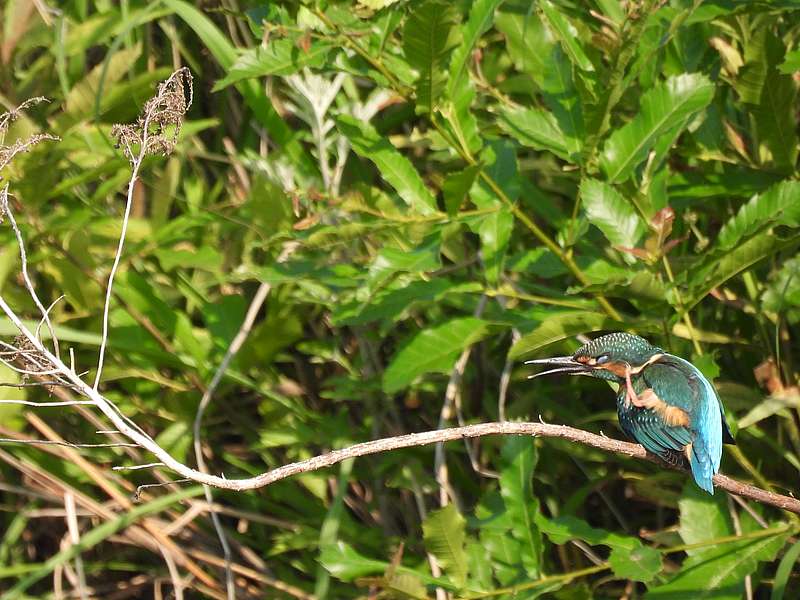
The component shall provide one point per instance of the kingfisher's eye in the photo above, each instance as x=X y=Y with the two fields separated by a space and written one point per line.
x=603 y=358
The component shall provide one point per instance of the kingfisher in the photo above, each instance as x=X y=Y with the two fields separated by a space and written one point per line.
x=664 y=402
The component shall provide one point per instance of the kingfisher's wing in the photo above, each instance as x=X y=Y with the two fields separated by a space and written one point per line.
x=664 y=427
x=679 y=384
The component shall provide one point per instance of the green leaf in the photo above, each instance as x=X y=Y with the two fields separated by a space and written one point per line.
x=456 y=186
x=528 y=42
x=516 y=488
x=564 y=528
x=395 y=168
x=429 y=35
x=433 y=350
x=782 y=295
x=460 y=93
x=776 y=122
x=611 y=213
x=281 y=57
x=561 y=326
x=390 y=261
x=716 y=270
x=444 y=534
x=784 y=571
x=494 y=230
x=666 y=107
x=563 y=98
x=720 y=572
x=779 y=205
x=642 y=563
x=481 y=15
x=791 y=62
x=567 y=35
x=702 y=517
x=535 y=128
x=344 y=562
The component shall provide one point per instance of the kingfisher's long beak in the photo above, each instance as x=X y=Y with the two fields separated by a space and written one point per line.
x=562 y=364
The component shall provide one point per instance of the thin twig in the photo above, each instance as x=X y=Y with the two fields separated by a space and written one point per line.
x=236 y=344
x=70 y=444
x=75 y=539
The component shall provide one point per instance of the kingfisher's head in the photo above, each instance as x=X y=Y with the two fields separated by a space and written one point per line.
x=607 y=357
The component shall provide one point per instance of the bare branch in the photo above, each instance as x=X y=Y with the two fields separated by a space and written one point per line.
x=47 y=404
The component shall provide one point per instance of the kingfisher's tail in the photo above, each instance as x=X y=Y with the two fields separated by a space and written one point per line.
x=702 y=466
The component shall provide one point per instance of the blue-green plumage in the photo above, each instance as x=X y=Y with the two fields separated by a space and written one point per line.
x=664 y=402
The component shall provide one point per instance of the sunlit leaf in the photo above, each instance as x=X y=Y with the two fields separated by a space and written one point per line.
x=445 y=536
x=430 y=34
x=395 y=168
x=559 y=327
x=778 y=205
x=667 y=106
x=536 y=128
x=611 y=213
x=433 y=350
x=567 y=35
x=281 y=57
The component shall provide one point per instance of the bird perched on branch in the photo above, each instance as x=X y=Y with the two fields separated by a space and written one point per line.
x=664 y=402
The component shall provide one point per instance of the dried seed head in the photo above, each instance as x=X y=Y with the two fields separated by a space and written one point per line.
x=156 y=130
x=7 y=153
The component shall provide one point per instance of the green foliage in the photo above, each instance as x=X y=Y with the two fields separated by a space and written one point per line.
x=411 y=180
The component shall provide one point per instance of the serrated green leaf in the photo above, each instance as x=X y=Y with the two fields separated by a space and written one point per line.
x=494 y=230
x=666 y=107
x=535 y=128
x=782 y=295
x=444 y=534
x=776 y=122
x=429 y=35
x=516 y=488
x=456 y=186
x=460 y=92
x=561 y=95
x=716 y=270
x=611 y=213
x=281 y=57
x=395 y=168
x=561 y=326
x=779 y=205
x=528 y=42
x=567 y=35
x=481 y=15
x=433 y=350
x=641 y=563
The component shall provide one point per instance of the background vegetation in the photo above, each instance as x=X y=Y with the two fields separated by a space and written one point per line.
x=433 y=190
